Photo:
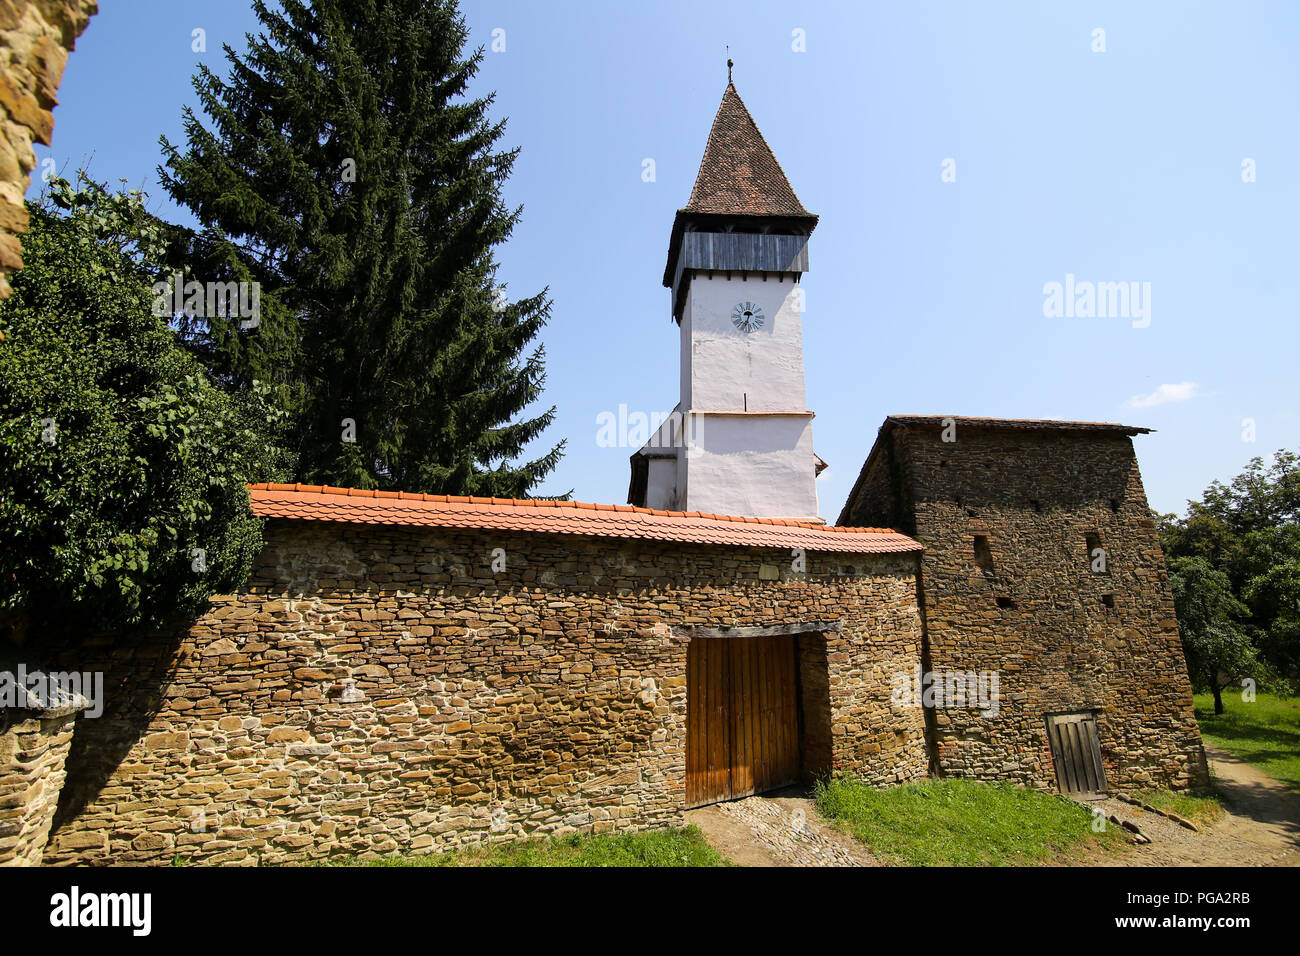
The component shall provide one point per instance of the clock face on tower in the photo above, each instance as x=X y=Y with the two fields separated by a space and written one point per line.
x=747 y=317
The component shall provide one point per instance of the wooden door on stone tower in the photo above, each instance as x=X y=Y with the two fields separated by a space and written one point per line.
x=1076 y=753
x=742 y=720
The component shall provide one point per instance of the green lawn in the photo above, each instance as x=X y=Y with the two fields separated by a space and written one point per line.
x=1265 y=732
x=1201 y=809
x=955 y=822
x=673 y=847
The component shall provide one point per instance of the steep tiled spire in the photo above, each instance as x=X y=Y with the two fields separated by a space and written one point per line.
x=739 y=175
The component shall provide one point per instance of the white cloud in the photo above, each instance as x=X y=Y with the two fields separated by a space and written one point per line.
x=1164 y=394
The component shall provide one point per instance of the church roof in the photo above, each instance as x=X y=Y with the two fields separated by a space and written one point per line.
x=353 y=505
x=739 y=183
x=739 y=175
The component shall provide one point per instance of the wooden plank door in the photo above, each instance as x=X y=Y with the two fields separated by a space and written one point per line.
x=1076 y=752
x=742 y=721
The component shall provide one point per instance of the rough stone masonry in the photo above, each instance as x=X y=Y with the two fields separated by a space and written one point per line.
x=380 y=689
x=35 y=39
x=1041 y=562
x=384 y=685
x=34 y=744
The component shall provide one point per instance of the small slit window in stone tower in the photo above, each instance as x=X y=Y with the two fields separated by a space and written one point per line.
x=983 y=553
x=1097 y=556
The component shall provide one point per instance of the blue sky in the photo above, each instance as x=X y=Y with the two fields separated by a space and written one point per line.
x=923 y=296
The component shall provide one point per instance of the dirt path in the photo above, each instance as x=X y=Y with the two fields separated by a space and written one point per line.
x=1261 y=828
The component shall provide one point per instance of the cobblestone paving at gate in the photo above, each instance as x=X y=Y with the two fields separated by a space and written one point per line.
x=778 y=829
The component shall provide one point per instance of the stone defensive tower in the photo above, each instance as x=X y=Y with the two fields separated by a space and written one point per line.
x=1042 y=564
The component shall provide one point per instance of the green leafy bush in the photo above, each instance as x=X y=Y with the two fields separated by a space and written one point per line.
x=122 y=466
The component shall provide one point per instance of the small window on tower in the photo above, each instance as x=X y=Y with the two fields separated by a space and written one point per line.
x=983 y=553
x=1097 y=556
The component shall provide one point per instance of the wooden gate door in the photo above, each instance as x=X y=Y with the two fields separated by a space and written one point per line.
x=742 y=721
x=1076 y=752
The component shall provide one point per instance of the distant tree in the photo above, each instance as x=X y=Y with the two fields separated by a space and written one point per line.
x=1249 y=530
x=122 y=467
x=347 y=169
x=1218 y=648
x=1261 y=497
x=1272 y=592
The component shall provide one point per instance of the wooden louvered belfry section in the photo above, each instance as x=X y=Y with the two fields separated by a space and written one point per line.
x=1076 y=752
x=742 y=721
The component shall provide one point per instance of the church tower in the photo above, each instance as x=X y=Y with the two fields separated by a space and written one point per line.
x=740 y=440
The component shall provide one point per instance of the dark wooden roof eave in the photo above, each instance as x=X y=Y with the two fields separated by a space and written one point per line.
x=1014 y=424
x=685 y=215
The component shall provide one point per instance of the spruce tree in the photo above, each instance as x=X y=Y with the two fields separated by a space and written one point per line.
x=352 y=174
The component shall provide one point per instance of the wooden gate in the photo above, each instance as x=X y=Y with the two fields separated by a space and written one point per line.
x=1076 y=752
x=742 y=720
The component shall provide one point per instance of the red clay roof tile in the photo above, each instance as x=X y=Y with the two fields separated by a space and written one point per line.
x=739 y=174
x=358 y=506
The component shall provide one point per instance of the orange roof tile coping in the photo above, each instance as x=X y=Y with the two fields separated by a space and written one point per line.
x=367 y=506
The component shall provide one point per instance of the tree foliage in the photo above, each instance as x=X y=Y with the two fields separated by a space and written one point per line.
x=1210 y=620
x=122 y=466
x=1247 y=533
x=344 y=166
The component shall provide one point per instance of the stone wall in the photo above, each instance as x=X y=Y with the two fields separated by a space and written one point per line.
x=33 y=750
x=35 y=38
x=1062 y=637
x=381 y=689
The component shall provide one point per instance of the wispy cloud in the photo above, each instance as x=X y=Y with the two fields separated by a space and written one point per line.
x=1165 y=394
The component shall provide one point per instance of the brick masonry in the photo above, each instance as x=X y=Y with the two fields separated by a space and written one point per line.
x=382 y=689
x=1033 y=608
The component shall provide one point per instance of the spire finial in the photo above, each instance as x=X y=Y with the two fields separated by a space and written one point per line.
x=730 y=64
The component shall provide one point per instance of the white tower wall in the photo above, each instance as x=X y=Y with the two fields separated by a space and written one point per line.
x=725 y=369
x=751 y=450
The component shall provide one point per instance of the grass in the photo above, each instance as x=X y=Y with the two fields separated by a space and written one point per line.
x=955 y=822
x=1265 y=732
x=672 y=847
x=1200 y=808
